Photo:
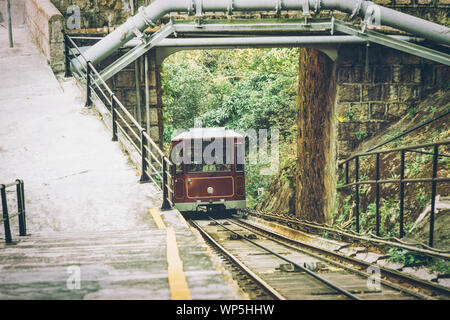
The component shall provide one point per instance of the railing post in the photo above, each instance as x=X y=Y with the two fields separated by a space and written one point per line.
x=8 y=238
x=68 y=72
x=24 y=211
x=88 y=84
x=402 y=190
x=144 y=175
x=357 y=193
x=165 y=204
x=377 y=194
x=21 y=207
x=114 y=117
x=8 y=12
x=433 y=193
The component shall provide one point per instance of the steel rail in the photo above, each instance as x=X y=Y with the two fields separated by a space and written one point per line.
x=153 y=156
x=242 y=266
x=409 y=131
x=154 y=181
x=352 y=261
x=122 y=130
x=128 y=126
x=311 y=273
x=154 y=169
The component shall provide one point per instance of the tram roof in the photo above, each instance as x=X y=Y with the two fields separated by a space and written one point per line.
x=207 y=133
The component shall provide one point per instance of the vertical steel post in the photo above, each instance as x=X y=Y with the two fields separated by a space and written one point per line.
x=144 y=175
x=165 y=204
x=147 y=93
x=137 y=107
x=114 y=117
x=8 y=9
x=433 y=193
x=68 y=72
x=357 y=192
x=377 y=194
x=88 y=85
x=8 y=238
x=20 y=198
x=140 y=79
x=402 y=191
x=24 y=214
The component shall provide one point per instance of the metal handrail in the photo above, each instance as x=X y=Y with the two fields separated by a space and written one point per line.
x=20 y=209
x=122 y=119
x=434 y=179
x=407 y=148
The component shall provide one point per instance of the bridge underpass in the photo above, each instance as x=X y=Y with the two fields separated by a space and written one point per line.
x=328 y=36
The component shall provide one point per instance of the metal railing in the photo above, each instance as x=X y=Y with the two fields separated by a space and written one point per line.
x=20 y=209
x=155 y=166
x=356 y=182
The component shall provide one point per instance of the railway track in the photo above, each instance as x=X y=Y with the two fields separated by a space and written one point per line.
x=273 y=268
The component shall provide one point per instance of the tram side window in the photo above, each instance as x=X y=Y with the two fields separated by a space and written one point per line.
x=194 y=154
x=178 y=158
x=239 y=157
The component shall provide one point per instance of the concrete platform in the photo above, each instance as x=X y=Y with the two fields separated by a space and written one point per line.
x=94 y=231
x=119 y=264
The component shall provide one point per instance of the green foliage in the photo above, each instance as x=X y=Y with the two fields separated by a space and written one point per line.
x=441 y=267
x=239 y=89
x=406 y=257
x=254 y=181
x=422 y=198
x=362 y=134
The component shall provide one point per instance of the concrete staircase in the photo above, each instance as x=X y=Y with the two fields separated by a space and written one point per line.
x=127 y=264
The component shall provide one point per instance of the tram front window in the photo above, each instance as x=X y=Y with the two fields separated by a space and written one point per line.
x=203 y=157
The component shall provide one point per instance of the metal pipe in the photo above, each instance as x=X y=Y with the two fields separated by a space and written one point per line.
x=266 y=41
x=148 y=16
x=261 y=41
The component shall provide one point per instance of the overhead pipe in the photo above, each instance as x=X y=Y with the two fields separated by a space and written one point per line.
x=250 y=42
x=261 y=41
x=149 y=16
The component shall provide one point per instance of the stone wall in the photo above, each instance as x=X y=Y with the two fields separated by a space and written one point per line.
x=373 y=96
x=45 y=23
x=101 y=13
x=432 y=10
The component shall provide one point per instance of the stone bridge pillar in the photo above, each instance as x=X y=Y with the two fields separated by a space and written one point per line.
x=315 y=147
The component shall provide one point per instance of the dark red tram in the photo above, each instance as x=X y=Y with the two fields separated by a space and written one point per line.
x=208 y=170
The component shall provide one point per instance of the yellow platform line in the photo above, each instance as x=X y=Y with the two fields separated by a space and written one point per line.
x=179 y=289
x=157 y=217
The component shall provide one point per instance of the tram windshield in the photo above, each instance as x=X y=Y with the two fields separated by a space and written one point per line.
x=215 y=155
